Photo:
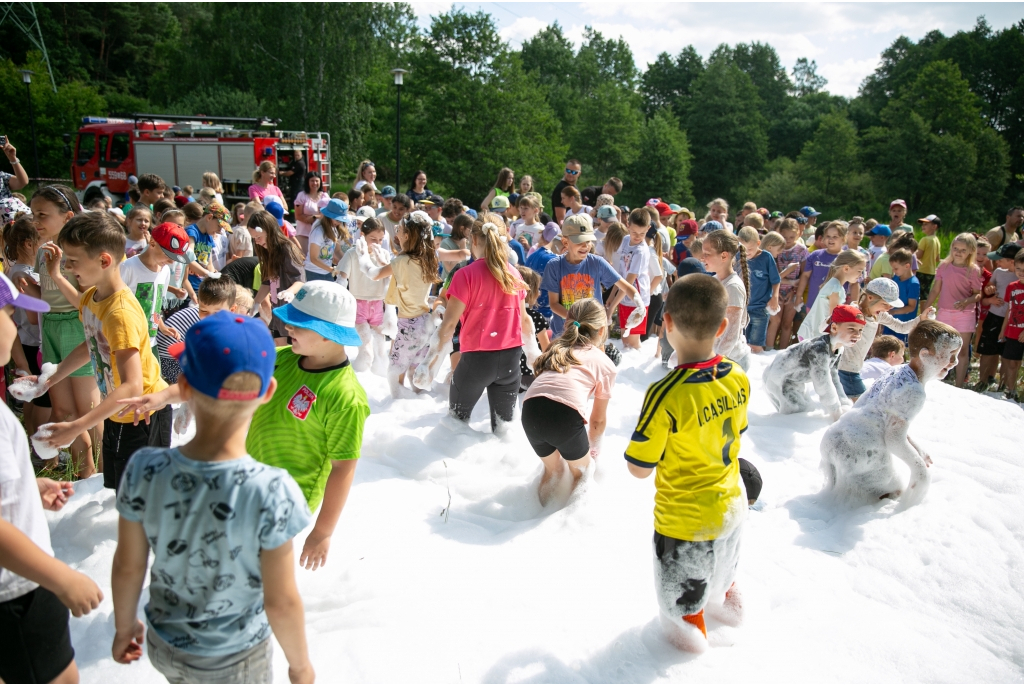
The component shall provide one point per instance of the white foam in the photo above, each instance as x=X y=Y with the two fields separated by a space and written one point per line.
x=26 y=390
x=507 y=590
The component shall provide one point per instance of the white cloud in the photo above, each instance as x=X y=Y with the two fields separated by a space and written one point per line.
x=522 y=29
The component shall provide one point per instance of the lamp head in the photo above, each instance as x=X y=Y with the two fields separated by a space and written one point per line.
x=398 y=74
x=26 y=75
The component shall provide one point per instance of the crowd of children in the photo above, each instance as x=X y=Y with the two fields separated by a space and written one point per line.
x=126 y=327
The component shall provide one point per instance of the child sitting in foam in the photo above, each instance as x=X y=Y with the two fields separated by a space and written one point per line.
x=815 y=360
x=857 y=451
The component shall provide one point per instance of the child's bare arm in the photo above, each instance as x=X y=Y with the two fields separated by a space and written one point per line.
x=283 y=606
x=52 y=257
x=898 y=442
x=318 y=542
x=143 y=406
x=639 y=471
x=131 y=559
x=20 y=555
x=129 y=367
x=933 y=294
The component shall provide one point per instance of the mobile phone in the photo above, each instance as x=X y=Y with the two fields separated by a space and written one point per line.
x=3 y=141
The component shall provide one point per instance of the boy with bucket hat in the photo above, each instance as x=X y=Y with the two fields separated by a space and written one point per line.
x=313 y=426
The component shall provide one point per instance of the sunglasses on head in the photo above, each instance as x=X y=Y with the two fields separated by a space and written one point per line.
x=571 y=172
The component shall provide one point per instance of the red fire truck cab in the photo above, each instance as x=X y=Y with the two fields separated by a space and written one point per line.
x=180 y=149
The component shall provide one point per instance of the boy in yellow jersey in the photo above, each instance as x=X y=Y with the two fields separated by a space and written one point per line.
x=688 y=432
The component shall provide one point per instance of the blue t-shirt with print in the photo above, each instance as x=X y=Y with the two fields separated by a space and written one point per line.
x=538 y=261
x=206 y=523
x=764 y=273
x=576 y=282
x=204 y=252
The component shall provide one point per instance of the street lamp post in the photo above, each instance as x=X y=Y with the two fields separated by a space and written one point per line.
x=26 y=77
x=398 y=73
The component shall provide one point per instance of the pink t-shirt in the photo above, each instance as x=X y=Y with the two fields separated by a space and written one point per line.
x=492 y=317
x=594 y=377
x=957 y=283
x=309 y=207
x=258 y=193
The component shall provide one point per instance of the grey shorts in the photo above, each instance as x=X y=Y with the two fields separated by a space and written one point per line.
x=251 y=666
x=688 y=574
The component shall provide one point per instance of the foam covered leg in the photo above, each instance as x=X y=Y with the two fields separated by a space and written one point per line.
x=365 y=357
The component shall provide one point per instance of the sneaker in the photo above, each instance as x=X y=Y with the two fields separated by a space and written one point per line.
x=1012 y=396
x=982 y=386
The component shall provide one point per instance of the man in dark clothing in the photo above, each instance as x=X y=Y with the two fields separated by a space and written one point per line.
x=572 y=175
x=612 y=187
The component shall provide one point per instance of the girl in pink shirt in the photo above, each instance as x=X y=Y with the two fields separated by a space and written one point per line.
x=957 y=287
x=488 y=297
x=573 y=369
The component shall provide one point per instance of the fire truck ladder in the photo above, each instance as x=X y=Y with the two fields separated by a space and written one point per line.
x=23 y=16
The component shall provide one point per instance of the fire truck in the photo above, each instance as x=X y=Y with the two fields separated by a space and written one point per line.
x=179 y=149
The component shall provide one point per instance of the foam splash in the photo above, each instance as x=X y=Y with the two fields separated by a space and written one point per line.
x=26 y=390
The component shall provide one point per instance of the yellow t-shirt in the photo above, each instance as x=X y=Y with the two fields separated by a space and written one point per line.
x=930 y=247
x=407 y=290
x=689 y=431
x=114 y=324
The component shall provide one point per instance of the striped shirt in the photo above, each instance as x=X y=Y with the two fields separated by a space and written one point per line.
x=181 y=321
x=315 y=418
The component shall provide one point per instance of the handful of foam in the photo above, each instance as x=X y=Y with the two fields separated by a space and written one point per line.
x=41 y=444
x=26 y=390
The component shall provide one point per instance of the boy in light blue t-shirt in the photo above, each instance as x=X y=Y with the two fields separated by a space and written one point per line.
x=219 y=523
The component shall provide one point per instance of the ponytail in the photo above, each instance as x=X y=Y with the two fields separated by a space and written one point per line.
x=490 y=229
x=583 y=325
x=844 y=258
x=725 y=241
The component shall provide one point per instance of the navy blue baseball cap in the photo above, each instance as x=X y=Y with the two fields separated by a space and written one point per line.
x=221 y=345
x=388 y=191
x=809 y=212
x=690 y=265
x=711 y=226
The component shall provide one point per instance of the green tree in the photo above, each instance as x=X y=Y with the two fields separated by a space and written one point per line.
x=471 y=112
x=55 y=114
x=829 y=159
x=667 y=81
x=727 y=131
x=805 y=78
x=788 y=133
x=663 y=165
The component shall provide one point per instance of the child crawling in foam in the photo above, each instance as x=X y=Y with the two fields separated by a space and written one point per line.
x=815 y=360
x=857 y=450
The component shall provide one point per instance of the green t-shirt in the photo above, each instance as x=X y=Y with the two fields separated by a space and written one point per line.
x=314 y=418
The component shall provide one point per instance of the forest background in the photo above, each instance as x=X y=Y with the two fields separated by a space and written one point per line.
x=940 y=123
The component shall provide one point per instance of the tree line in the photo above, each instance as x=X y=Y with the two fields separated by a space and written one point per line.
x=939 y=123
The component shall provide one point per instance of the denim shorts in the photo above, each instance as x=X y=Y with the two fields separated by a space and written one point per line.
x=178 y=666
x=757 y=328
x=853 y=385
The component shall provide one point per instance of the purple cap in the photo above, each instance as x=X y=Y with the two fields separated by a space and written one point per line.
x=550 y=231
x=223 y=344
x=9 y=295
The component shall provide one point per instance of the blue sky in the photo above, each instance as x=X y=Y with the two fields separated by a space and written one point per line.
x=845 y=39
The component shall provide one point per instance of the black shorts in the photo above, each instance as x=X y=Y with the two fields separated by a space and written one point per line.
x=32 y=355
x=35 y=639
x=122 y=440
x=1013 y=350
x=926 y=281
x=989 y=343
x=551 y=426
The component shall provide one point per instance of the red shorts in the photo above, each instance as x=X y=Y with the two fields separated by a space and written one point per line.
x=370 y=311
x=624 y=313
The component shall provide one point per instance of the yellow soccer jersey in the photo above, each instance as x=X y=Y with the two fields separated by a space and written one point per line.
x=689 y=430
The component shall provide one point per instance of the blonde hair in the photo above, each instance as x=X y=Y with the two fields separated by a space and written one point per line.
x=583 y=323
x=720 y=202
x=748 y=234
x=490 y=230
x=264 y=167
x=243 y=298
x=724 y=241
x=206 y=196
x=208 y=408
x=532 y=280
x=845 y=258
x=212 y=181
x=772 y=239
x=971 y=242
x=613 y=238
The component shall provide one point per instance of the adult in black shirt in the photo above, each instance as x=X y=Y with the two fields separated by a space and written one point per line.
x=242 y=271
x=612 y=187
x=296 y=172
x=572 y=175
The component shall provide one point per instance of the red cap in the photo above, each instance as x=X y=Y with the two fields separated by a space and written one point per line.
x=173 y=240
x=686 y=227
x=663 y=209
x=845 y=313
